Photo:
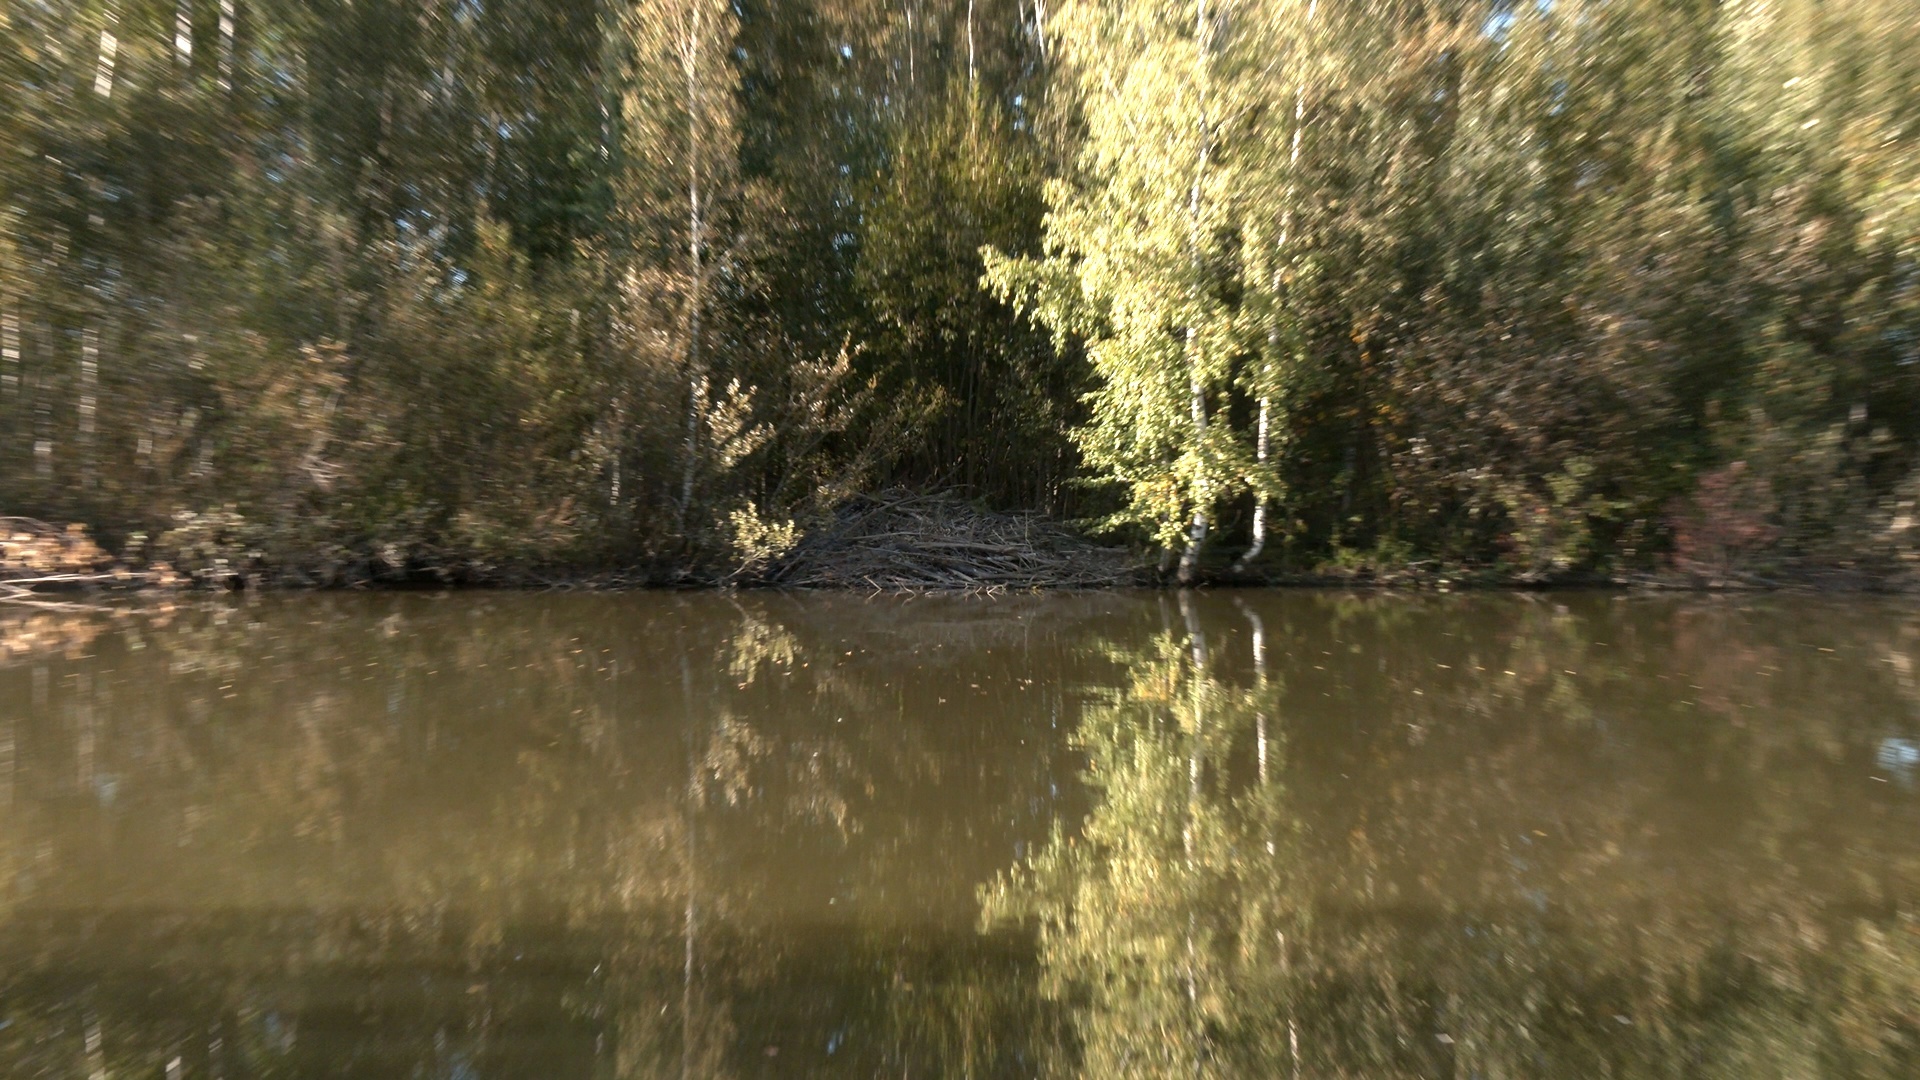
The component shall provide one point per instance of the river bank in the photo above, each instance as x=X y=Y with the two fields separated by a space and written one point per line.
x=890 y=543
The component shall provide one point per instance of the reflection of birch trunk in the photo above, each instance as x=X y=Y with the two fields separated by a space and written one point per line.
x=1197 y=695
x=7 y=747
x=95 y=1042
x=1263 y=691
x=1260 y=687
x=86 y=741
x=691 y=924
x=1263 y=696
x=1197 y=642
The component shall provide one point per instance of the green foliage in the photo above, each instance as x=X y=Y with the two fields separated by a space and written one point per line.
x=1140 y=259
x=1496 y=280
x=437 y=287
x=960 y=178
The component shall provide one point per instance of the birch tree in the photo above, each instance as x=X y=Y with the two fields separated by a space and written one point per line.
x=1142 y=255
x=681 y=175
x=1274 y=255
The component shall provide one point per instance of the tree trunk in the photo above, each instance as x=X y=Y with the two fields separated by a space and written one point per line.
x=696 y=265
x=969 y=42
x=227 y=19
x=1260 y=449
x=9 y=353
x=109 y=50
x=1262 y=444
x=89 y=402
x=1197 y=530
x=1197 y=397
x=183 y=32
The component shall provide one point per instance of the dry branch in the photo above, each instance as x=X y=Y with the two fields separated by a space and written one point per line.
x=36 y=556
x=905 y=542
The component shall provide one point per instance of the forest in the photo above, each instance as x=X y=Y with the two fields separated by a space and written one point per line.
x=482 y=289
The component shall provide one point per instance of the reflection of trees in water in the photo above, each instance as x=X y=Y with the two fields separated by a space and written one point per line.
x=1152 y=913
x=259 y=846
x=492 y=835
x=1330 y=836
x=1577 y=838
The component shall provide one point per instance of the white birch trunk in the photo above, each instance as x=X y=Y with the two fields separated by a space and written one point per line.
x=696 y=370
x=227 y=19
x=970 y=42
x=109 y=52
x=1197 y=398
x=36 y=393
x=9 y=353
x=1262 y=444
x=183 y=32
x=1260 y=451
x=89 y=400
x=43 y=442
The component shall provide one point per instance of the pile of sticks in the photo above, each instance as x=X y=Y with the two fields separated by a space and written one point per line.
x=908 y=542
x=36 y=557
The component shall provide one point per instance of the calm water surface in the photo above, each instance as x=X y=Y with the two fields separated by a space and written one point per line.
x=1121 y=834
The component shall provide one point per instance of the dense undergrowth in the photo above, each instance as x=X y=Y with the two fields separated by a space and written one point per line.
x=667 y=291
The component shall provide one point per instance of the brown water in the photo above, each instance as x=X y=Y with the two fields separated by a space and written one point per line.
x=1262 y=834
